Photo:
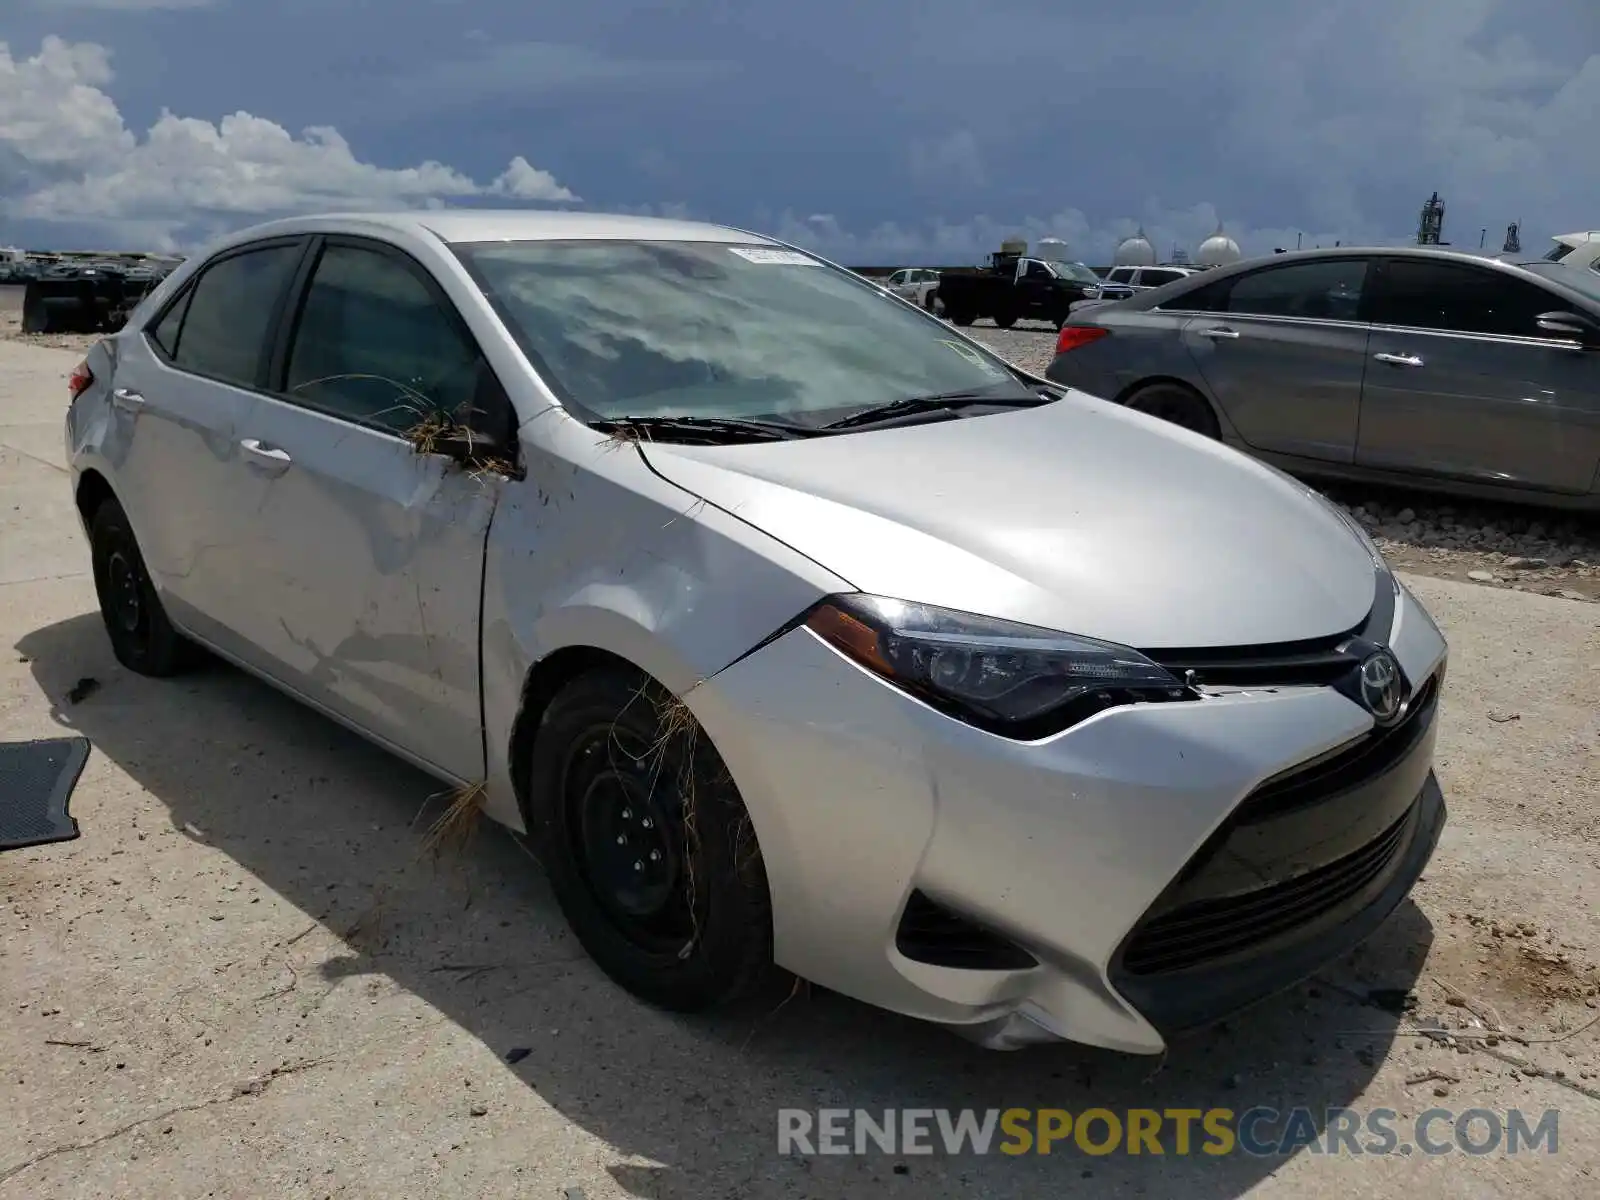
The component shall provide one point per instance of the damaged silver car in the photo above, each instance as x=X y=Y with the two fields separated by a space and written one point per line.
x=792 y=627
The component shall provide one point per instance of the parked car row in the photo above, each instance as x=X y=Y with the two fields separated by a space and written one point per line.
x=1469 y=374
x=793 y=628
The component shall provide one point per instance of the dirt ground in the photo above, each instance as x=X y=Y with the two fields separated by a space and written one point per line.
x=245 y=979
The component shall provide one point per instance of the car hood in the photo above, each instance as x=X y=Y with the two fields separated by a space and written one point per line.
x=1078 y=516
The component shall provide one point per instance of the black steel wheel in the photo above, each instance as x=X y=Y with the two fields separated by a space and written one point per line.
x=142 y=637
x=648 y=846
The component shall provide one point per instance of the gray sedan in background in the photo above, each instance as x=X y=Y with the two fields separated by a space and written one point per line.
x=1417 y=366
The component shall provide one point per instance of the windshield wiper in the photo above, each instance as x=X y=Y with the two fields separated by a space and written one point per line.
x=939 y=402
x=701 y=429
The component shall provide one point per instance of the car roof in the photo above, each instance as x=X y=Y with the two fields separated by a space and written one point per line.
x=493 y=225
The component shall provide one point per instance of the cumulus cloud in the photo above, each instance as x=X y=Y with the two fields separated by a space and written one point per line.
x=69 y=156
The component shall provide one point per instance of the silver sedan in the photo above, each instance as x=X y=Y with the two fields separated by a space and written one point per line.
x=1429 y=367
x=792 y=627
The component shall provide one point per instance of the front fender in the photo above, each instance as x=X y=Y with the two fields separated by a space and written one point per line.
x=594 y=549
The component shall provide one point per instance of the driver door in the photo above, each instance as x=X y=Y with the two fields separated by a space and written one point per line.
x=370 y=551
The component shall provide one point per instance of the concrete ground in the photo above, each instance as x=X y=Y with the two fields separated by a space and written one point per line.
x=244 y=980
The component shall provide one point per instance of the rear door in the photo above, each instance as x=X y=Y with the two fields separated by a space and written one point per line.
x=1464 y=384
x=371 y=550
x=182 y=389
x=1283 y=349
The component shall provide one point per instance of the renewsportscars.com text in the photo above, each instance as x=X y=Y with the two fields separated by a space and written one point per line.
x=1259 y=1131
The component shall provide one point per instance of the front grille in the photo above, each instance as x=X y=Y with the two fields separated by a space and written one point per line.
x=1314 y=662
x=1287 y=664
x=930 y=933
x=1346 y=767
x=1205 y=931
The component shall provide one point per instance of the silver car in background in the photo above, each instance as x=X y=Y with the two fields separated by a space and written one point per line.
x=791 y=626
x=1430 y=367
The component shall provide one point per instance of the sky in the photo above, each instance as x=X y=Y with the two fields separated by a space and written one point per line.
x=901 y=131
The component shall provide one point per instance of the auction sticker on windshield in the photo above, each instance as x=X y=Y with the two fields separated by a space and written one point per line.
x=773 y=256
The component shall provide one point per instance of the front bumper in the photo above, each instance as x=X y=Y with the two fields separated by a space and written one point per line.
x=1061 y=889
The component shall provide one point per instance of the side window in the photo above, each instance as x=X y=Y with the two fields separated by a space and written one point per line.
x=165 y=333
x=1037 y=270
x=373 y=346
x=1120 y=275
x=1210 y=297
x=1157 y=278
x=224 y=326
x=1325 y=289
x=897 y=279
x=1453 y=296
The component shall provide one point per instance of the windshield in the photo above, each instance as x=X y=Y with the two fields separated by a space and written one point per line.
x=712 y=329
x=1076 y=271
x=1580 y=280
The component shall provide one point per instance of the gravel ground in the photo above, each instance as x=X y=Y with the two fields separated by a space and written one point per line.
x=11 y=331
x=1502 y=545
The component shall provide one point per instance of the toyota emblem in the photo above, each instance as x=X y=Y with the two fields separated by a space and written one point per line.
x=1382 y=688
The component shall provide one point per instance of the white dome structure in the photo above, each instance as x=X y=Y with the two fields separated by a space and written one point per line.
x=1135 y=251
x=1218 y=250
x=1051 y=249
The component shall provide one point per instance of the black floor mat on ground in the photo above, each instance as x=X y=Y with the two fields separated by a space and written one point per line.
x=36 y=782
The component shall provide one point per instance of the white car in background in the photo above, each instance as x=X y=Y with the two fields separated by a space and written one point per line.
x=919 y=285
x=1580 y=249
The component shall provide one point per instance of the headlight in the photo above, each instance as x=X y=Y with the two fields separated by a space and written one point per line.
x=1018 y=680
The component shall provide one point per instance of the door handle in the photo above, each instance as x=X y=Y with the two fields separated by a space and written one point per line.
x=128 y=399
x=1220 y=331
x=267 y=456
x=1399 y=360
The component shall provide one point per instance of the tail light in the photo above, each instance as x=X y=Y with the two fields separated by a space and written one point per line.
x=80 y=379
x=1072 y=337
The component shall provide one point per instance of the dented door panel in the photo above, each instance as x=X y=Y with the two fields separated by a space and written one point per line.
x=368 y=579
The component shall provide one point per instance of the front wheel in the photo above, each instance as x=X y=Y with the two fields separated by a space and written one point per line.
x=142 y=637
x=647 y=843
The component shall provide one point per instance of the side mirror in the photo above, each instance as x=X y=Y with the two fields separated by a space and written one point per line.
x=1577 y=326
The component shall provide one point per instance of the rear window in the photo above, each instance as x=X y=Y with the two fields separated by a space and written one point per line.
x=713 y=329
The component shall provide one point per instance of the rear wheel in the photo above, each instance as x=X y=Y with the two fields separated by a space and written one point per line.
x=142 y=637
x=1004 y=320
x=932 y=301
x=959 y=317
x=1178 y=404
x=648 y=846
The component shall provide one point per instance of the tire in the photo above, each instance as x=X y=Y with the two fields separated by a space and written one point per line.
x=931 y=302
x=1004 y=320
x=1180 y=405
x=694 y=930
x=959 y=317
x=142 y=638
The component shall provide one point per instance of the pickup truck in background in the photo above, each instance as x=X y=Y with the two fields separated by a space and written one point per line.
x=920 y=285
x=1014 y=287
